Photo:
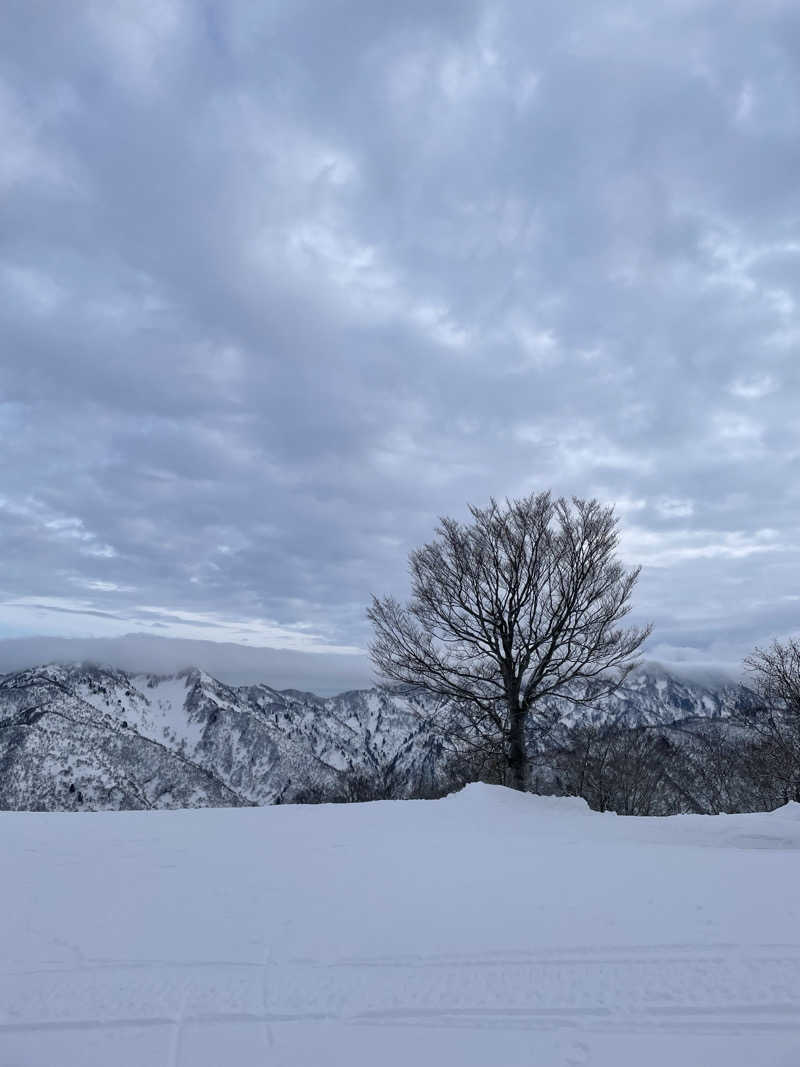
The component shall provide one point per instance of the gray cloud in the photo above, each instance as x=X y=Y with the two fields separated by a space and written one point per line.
x=323 y=673
x=281 y=284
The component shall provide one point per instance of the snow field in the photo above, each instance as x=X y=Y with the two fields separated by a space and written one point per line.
x=487 y=928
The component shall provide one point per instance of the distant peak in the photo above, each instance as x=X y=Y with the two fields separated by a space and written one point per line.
x=710 y=675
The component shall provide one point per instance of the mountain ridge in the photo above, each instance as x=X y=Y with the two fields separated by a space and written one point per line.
x=104 y=738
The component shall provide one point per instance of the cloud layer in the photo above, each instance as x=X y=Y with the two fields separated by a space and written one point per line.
x=280 y=284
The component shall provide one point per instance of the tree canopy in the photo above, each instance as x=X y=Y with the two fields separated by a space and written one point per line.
x=519 y=604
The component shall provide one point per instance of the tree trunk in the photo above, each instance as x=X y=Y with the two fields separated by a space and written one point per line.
x=517 y=758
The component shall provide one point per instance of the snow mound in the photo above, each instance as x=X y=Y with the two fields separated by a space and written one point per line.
x=788 y=811
x=480 y=795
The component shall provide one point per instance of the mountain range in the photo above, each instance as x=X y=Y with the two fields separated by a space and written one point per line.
x=87 y=737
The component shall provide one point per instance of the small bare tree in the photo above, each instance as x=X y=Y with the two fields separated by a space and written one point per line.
x=772 y=713
x=521 y=604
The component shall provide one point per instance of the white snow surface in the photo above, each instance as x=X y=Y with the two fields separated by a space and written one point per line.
x=489 y=928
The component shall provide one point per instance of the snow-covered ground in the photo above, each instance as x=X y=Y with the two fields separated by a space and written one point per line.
x=489 y=928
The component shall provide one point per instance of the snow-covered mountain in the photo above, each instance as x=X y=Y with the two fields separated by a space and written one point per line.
x=654 y=695
x=91 y=737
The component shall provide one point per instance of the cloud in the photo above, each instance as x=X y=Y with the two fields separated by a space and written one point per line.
x=323 y=673
x=281 y=285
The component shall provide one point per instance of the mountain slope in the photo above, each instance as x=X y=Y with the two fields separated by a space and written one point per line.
x=60 y=752
x=654 y=695
x=92 y=737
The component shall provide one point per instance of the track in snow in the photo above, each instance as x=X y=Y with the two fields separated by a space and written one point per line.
x=703 y=989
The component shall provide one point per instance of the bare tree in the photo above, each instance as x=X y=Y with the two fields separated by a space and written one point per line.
x=521 y=604
x=773 y=714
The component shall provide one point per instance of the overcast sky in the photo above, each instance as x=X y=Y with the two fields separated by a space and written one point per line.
x=281 y=282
